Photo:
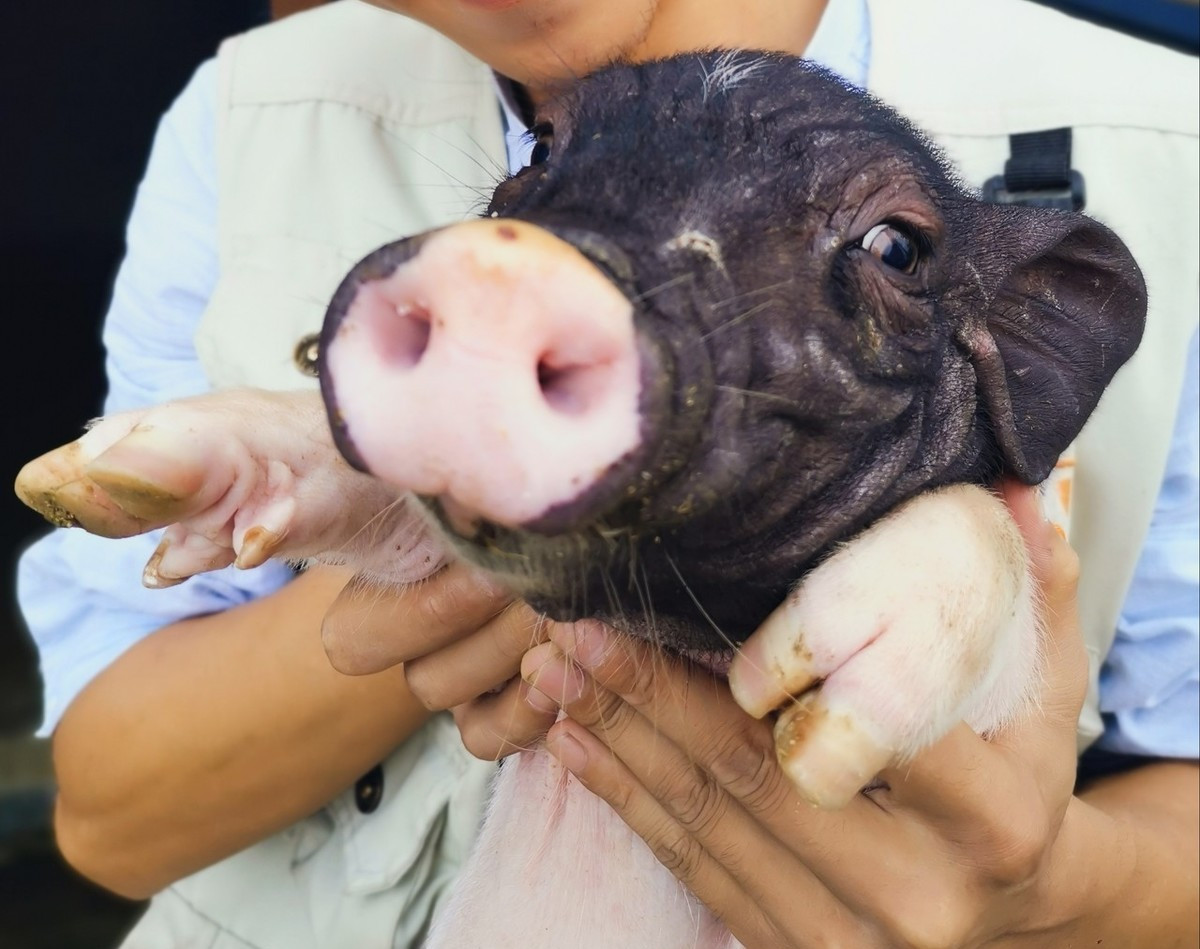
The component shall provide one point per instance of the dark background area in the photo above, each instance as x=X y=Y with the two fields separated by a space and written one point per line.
x=82 y=83
x=1174 y=23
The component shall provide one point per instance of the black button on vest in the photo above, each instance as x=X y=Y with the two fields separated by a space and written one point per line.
x=368 y=790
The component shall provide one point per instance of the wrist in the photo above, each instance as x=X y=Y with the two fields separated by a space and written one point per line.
x=1088 y=870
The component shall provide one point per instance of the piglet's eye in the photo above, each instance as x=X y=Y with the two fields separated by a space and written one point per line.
x=543 y=141
x=892 y=246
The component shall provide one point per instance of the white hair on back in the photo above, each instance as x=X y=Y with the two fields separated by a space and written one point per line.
x=729 y=70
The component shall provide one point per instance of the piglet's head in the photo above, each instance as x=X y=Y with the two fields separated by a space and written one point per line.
x=733 y=312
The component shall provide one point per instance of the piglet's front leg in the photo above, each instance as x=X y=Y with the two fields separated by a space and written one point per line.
x=922 y=621
x=237 y=476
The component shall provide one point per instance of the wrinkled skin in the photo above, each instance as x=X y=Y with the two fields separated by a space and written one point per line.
x=795 y=386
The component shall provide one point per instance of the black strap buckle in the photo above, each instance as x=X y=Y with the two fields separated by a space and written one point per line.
x=1039 y=173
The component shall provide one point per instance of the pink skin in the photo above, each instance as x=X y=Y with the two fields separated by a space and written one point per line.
x=497 y=368
x=555 y=867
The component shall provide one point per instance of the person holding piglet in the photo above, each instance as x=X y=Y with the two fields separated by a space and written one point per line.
x=261 y=805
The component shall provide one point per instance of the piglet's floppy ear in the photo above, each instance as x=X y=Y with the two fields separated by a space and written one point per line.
x=1064 y=307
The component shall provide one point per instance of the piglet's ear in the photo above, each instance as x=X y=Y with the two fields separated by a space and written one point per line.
x=1063 y=308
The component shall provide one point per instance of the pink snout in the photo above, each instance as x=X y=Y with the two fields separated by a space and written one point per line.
x=496 y=369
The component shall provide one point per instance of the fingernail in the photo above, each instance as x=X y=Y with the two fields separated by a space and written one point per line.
x=534 y=670
x=587 y=642
x=752 y=688
x=570 y=753
x=554 y=682
x=491 y=586
x=539 y=701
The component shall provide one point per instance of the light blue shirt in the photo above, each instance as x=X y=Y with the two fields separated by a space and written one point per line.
x=81 y=594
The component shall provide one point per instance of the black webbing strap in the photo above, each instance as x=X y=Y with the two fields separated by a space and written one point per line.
x=1040 y=161
x=1038 y=173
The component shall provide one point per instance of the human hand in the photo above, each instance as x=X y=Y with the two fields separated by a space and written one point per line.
x=461 y=638
x=962 y=847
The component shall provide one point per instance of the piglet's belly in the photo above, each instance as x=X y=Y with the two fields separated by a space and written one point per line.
x=555 y=868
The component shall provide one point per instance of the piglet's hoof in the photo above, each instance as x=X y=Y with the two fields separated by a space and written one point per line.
x=58 y=487
x=121 y=478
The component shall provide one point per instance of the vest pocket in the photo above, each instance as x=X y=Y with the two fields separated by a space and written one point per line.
x=400 y=843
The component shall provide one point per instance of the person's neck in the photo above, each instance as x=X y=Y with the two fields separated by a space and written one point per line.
x=689 y=25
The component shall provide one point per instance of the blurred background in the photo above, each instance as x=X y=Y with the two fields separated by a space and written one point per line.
x=83 y=83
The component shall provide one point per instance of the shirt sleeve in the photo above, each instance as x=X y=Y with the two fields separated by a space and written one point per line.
x=81 y=595
x=1150 y=682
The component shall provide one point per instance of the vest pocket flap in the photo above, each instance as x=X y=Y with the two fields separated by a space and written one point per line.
x=400 y=835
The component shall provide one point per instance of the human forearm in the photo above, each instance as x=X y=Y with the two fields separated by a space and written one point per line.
x=1156 y=808
x=1125 y=867
x=213 y=733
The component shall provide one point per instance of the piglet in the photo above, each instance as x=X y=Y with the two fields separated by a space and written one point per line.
x=738 y=340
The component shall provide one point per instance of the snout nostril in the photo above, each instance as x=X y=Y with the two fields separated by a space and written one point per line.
x=570 y=390
x=405 y=337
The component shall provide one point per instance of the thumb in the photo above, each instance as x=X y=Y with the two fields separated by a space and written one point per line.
x=1055 y=570
x=1055 y=563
